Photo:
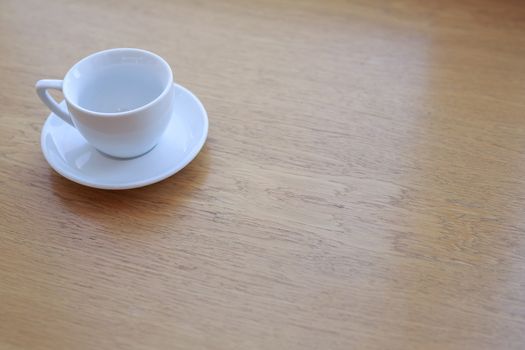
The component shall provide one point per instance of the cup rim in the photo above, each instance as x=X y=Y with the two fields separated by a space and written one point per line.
x=124 y=113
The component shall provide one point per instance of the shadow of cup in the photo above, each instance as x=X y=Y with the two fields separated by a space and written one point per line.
x=123 y=210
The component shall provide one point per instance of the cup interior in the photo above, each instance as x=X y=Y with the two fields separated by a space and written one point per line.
x=117 y=81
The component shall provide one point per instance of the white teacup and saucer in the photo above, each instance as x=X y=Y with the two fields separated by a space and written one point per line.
x=123 y=123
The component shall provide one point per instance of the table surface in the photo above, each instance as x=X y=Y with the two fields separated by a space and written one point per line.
x=362 y=186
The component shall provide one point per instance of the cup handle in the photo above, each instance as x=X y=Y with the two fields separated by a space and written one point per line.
x=41 y=89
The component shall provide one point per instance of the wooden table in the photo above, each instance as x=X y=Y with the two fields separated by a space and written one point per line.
x=362 y=187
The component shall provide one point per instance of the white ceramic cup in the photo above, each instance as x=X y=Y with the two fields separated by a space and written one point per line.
x=120 y=100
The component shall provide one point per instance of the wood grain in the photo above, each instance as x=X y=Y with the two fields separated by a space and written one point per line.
x=362 y=187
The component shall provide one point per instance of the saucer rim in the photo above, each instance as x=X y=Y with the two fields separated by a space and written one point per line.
x=134 y=184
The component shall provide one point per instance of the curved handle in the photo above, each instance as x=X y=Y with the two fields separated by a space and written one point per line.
x=41 y=89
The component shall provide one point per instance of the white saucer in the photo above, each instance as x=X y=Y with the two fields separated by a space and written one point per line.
x=71 y=156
